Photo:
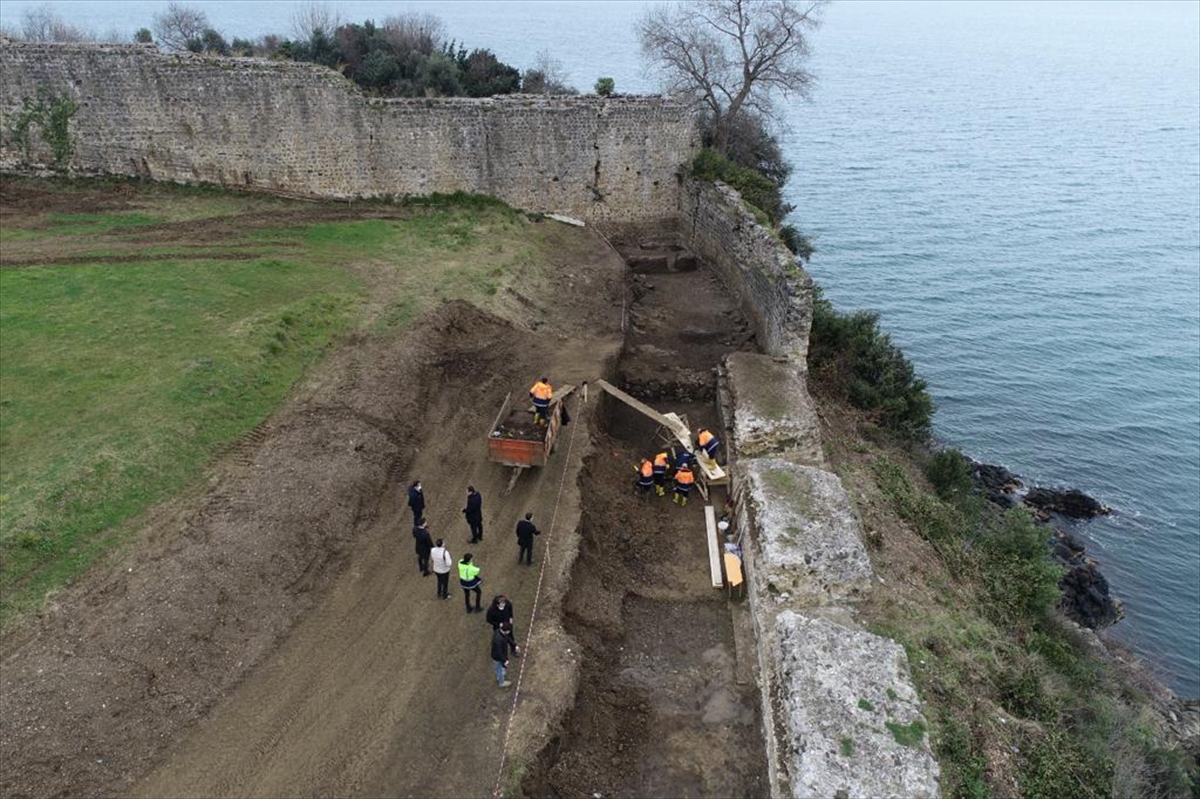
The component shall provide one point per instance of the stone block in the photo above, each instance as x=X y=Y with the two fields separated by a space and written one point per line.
x=846 y=715
x=807 y=549
x=773 y=414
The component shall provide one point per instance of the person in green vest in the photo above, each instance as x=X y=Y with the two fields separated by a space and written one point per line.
x=469 y=579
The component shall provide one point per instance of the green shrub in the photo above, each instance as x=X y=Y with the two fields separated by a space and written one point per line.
x=756 y=188
x=853 y=358
x=950 y=474
x=800 y=245
x=605 y=86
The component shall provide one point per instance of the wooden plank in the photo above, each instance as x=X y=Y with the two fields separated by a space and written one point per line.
x=638 y=405
x=714 y=546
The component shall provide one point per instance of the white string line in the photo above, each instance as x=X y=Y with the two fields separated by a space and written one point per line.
x=533 y=613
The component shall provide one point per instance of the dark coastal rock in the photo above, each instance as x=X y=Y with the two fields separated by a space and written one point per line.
x=998 y=484
x=1086 y=599
x=1069 y=502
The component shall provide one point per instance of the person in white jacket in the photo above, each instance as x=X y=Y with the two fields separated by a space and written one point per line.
x=441 y=561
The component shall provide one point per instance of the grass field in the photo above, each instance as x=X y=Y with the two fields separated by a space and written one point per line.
x=140 y=337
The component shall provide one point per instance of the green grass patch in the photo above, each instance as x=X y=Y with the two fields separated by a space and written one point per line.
x=119 y=383
x=909 y=735
x=867 y=705
x=847 y=747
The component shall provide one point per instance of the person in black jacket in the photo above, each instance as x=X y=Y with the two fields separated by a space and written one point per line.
x=500 y=656
x=424 y=543
x=500 y=616
x=416 y=500
x=474 y=514
x=525 y=533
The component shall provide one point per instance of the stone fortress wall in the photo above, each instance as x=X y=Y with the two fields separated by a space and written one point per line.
x=829 y=689
x=305 y=129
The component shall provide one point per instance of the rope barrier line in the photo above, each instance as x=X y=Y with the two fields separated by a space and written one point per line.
x=533 y=613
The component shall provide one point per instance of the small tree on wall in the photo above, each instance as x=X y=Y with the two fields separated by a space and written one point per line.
x=605 y=86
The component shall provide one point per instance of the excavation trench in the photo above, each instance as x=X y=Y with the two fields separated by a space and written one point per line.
x=667 y=704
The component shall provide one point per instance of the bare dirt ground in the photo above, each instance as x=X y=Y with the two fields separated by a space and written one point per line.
x=661 y=710
x=271 y=635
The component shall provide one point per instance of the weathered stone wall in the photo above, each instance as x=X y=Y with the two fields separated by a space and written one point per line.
x=305 y=129
x=774 y=291
x=834 y=696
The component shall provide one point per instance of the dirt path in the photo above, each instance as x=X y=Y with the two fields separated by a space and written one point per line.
x=273 y=637
x=384 y=690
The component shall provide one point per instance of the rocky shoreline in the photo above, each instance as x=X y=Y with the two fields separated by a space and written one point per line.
x=1086 y=597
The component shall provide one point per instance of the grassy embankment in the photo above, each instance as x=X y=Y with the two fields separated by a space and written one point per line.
x=154 y=332
x=1020 y=703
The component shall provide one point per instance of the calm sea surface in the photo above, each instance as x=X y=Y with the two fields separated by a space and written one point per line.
x=1016 y=188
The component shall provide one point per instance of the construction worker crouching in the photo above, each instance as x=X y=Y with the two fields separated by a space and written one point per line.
x=645 y=479
x=683 y=484
x=662 y=462
x=708 y=443
x=541 y=393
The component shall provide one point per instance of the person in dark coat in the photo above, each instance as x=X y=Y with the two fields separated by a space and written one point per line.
x=526 y=530
x=424 y=545
x=416 y=500
x=474 y=514
x=500 y=656
x=500 y=616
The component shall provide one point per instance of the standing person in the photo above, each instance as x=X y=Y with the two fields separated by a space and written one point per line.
x=683 y=484
x=500 y=656
x=469 y=579
x=661 y=462
x=500 y=615
x=474 y=514
x=416 y=500
x=439 y=556
x=541 y=393
x=645 y=479
x=525 y=533
x=424 y=545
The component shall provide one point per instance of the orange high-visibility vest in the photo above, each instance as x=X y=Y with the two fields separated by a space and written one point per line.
x=646 y=469
x=661 y=460
x=705 y=437
x=685 y=477
x=542 y=391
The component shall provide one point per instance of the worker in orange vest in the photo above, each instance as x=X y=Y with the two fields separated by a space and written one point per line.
x=707 y=442
x=662 y=461
x=683 y=484
x=645 y=479
x=541 y=393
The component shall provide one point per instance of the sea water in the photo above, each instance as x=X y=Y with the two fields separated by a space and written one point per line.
x=1015 y=187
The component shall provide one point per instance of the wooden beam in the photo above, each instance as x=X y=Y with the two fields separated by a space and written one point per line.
x=715 y=547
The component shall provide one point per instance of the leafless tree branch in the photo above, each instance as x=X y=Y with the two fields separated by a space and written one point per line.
x=731 y=55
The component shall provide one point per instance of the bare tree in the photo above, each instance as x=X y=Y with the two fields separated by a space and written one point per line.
x=729 y=56
x=546 y=76
x=178 y=25
x=414 y=32
x=315 y=18
x=42 y=24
